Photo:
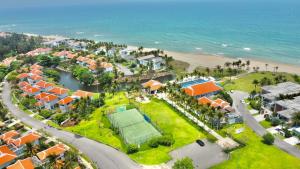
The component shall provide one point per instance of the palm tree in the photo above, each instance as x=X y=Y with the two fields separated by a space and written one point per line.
x=266 y=66
x=207 y=70
x=248 y=64
x=296 y=119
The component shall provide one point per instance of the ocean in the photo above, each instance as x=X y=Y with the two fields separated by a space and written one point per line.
x=259 y=30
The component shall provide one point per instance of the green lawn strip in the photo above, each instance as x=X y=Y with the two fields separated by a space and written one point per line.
x=265 y=124
x=245 y=82
x=256 y=154
x=161 y=114
x=38 y=117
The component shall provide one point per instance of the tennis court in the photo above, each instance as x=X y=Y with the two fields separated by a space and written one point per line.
x=132 y=126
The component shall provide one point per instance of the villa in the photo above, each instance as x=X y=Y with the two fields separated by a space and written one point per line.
x=36 y=66
x=65 y=104
x=7 y=156
x=19 y=144
x=44 y=86
x=31 y=91
x=111 y=52
x=271 y=94
x=82 y=94
x=34 y=78
x=8 y=136
x=152 y=86
x=23 y=76
x=60 y=92
x=108 y=67
x=22 y=164
x=204 y=89
x=57 y=150
x=23 y=84
x=156 y=63
x=36 y=72
x=39 y=51
x=64 y=55
x=218 y=103
x=49 y=101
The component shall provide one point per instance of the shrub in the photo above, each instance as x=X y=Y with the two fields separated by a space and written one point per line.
x=268 y=139
x=275 y=122
x=287 y=133
x=166 y=140
x=131 y=148
x=185 y=163
x=154 y=142
x=45 y=113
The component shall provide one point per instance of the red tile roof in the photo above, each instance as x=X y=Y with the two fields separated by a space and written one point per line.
x=36 y=77
x=152 y=85
x=202 y=89
x=58 y=91
x=65 y=101
x=23 y=75
x=55 y=150
x=49 y=98
x=6 y=137
x=22 y=164
x=30 y=89
x=29 y=138
x=42 y=84
x=204 y=101
x=214 y=103
x=41 y=95
x=36 y=66
x=36 y=71
x=23 y=83
x=6 y=155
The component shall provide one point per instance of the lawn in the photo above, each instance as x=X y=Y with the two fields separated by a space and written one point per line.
x=265 y=124
x=245 y=82
x=256 y=155
x=179 y=67
x=97 y=128
x=168 y=121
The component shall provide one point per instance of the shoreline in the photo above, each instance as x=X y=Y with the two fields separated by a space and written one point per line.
x=208 y=60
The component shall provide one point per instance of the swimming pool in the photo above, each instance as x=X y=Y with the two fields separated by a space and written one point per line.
x=193 y=82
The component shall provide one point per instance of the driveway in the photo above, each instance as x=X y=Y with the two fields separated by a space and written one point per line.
x=104 y=156
x=237 y=96
x=203 y=157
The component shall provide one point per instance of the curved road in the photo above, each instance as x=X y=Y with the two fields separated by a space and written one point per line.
x=104 y=156
x=237 y=96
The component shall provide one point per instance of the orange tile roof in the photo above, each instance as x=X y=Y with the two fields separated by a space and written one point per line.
x=43 y=84
x=22 y=75
x=39 y=104
x=6 y=155
x=55 y=150
x=22 y=84
x=66 y=100
x=83 y=94
x=58 y=90
x=204 y=100
x=82 y=59
x=41 y=95
x=153 y=85
x=36 y=71
x=201 y=89
x=49 y=98
x=36 y=66
x=29 y=138
x=22 y=164
x=9 y=135
x=36 y=77
x=30 y=89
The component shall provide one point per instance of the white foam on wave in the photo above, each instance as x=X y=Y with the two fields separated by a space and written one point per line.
x=198 y=48
x=97 y=35
x=79 y=33
x=224 y=45
x=8 y=26
x=247 y=49
x=156 y=42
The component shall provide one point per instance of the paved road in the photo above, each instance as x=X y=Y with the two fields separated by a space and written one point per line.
x=237 y=96
x=104 y=156
x=203 y=157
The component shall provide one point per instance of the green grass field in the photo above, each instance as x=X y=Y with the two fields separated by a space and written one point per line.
x=256 y=155
x=97 y=128
x=245 y=82
x=265 y=124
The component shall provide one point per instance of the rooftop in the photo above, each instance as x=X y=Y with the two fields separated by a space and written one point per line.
x=291 y=107
x=22 y=164
x=55 y=150
x=6 y=155
x=9 y=135
x=202 y=89
x=286 y=88
x=58 y=90
x=65 y=101
x=153 y=85
x=28 y=138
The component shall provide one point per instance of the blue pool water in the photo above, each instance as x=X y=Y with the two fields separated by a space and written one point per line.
x=191 y=83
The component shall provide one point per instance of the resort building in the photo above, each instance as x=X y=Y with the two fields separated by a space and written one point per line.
x=44 y=86
x=64 y=55
x=152 y=86
x=82 y=94
x=204 y=89
x=31 y=91
x=33 y=78
x=271 y=94
x=36 y=72
x=49 y=101
x=218 y=103
x=57 y=150
x=23 y=76
x=8 y=136
x=19 y=144
x=65 y=104
x=23 y=84
x=60 y=92
x=285 y=109
x=39 y=51
x=22 y=164
x=36 y=66
x=151 y=61
x=7 y=156
x=111 y=52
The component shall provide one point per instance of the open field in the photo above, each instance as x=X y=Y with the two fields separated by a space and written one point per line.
x=162 y=115
x=256 y=155
x=244 y=83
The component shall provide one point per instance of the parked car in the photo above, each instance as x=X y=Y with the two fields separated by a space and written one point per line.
x=200 y=142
